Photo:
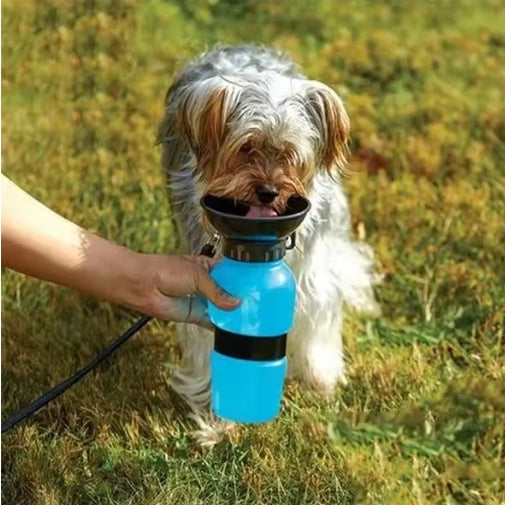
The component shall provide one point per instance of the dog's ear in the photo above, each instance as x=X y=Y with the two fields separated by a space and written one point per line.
x=326 y=111
x=201 y=115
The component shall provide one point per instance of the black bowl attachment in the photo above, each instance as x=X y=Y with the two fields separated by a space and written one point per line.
x=230 y=220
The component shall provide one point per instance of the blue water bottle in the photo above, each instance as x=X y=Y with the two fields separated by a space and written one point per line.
x=248 y=362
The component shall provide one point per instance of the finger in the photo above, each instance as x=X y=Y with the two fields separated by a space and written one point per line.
x=187 y=309
x=205 y=262
x=206 y=286
x=197 y=313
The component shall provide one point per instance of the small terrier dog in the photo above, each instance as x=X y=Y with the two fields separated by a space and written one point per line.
x=242 y=122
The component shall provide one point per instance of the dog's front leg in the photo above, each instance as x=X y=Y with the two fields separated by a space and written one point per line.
x=191 y=381
x=315 y=352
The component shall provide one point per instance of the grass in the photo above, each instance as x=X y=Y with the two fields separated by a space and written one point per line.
x=421 y=418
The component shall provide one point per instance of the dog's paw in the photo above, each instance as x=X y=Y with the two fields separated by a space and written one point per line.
x=324 y=370
x=211 y=430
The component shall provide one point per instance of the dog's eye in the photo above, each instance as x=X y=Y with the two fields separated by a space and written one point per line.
x=246 y=148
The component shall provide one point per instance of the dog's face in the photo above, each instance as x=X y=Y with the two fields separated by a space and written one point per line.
x=260 y=142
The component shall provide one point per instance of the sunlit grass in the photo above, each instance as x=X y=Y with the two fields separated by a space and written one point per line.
x=420 y=420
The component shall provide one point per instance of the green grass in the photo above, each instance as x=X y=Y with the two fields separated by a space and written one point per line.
x=421 y=418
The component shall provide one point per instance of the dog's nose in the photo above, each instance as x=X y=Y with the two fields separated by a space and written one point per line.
x=266 y=194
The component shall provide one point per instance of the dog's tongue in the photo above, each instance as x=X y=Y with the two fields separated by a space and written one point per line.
x=261 y=211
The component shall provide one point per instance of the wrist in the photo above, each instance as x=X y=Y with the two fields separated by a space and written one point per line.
x=132 y=283
x=111 y=272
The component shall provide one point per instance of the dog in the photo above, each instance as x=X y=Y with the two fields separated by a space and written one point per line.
x=242 y=122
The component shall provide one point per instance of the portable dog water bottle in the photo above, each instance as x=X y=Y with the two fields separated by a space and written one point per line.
x=248 y=363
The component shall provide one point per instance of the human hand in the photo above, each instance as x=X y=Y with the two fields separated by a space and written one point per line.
x=167 y=285
x=41 y=243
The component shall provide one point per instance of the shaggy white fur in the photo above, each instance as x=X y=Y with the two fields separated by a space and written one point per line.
x=240 y=117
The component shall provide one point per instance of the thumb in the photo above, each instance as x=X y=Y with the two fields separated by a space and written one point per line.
x=206 y=286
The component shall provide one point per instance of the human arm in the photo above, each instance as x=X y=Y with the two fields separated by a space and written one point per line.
x=39 y=242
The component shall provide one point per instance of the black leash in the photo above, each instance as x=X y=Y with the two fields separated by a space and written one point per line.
x=64 y=385
x=207 y=250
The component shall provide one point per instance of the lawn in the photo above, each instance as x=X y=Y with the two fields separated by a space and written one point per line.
x=420 y=420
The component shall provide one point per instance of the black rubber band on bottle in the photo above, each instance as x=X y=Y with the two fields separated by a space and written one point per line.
x=248 y=347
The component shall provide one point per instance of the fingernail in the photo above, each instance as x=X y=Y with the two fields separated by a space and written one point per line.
x=231 y=299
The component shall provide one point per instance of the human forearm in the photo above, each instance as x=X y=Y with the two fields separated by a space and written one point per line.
x=38 y=242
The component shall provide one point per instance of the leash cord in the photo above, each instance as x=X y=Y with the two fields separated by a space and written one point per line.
x=64 y=385
x=207 y=250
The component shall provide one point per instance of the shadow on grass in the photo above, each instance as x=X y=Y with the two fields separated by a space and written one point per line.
x=50 y=332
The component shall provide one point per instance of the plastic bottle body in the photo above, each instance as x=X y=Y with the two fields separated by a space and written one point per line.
x=249 y=390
